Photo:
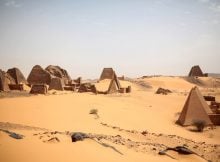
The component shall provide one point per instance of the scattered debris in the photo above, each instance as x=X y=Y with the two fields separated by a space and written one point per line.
x=144 y=133
x=13 y=134
x=209 y=98
x=54 y=140
x=78 y=136
x=94 y=112
x=87 y=87
x=181 y=150
x=164 y=153
x=163 y=91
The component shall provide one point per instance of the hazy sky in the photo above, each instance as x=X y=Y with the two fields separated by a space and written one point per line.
x=135 y=37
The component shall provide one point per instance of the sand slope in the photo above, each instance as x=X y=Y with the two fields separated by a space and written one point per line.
x=121 y=119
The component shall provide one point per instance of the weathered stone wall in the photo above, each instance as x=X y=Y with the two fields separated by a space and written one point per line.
x=38 y=89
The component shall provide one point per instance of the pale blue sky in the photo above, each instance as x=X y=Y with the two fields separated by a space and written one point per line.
x=135 y=37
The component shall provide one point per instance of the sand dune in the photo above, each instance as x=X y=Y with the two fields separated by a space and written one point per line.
x=122 y=119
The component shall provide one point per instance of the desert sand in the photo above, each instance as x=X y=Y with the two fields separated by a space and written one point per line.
x=129 y=127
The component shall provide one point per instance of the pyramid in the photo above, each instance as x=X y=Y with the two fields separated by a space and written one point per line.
x=195 y=108
x=5 y=80
x=114 y=85
x=58 y=72
x=107 y=73
x=17 y=75
x=3 y=83
x=196 y=71
x=39 y=76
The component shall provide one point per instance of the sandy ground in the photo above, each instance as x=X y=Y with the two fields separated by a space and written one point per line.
x=117 y=130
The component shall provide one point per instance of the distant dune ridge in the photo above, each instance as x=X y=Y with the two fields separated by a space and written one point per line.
x=38 y=75
x=133 y=126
